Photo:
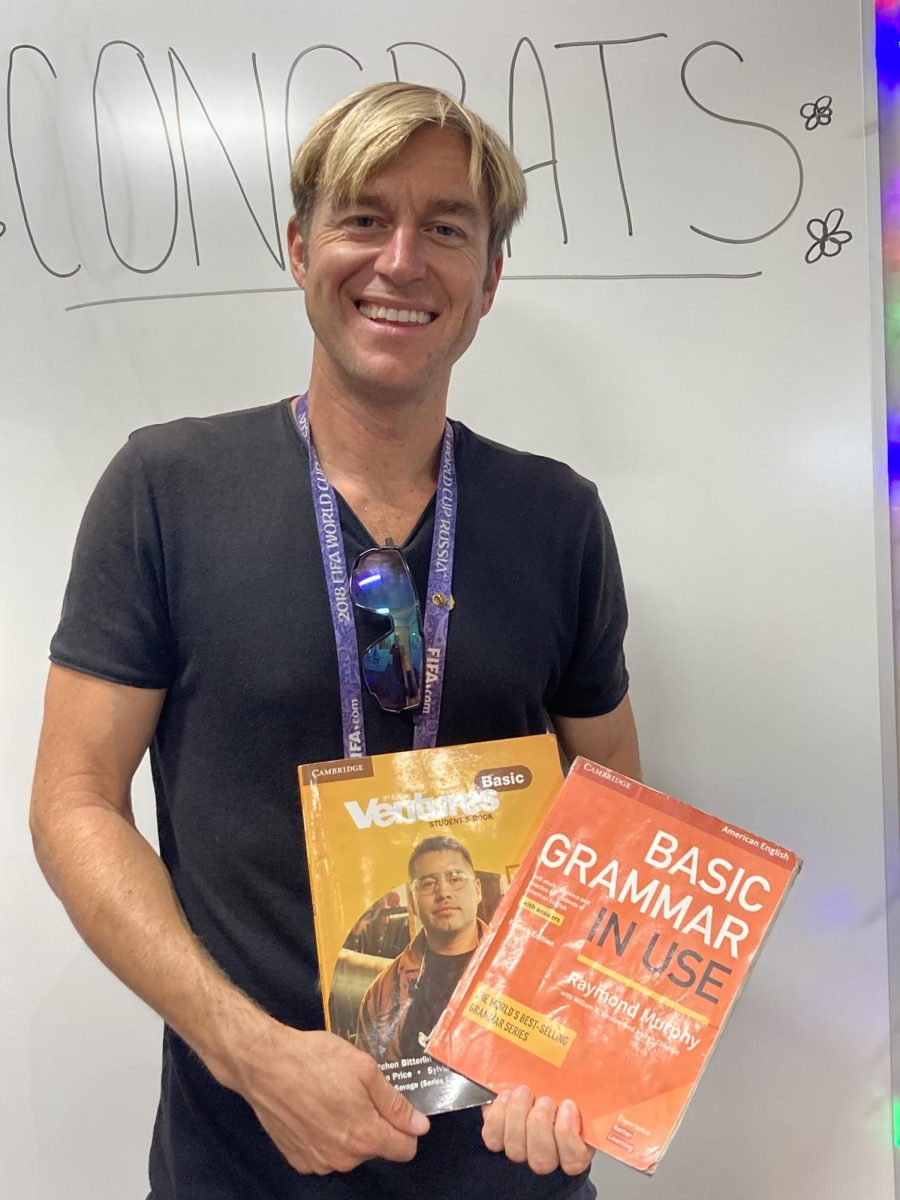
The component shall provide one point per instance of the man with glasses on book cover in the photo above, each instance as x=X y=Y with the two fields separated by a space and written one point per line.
x=343 y=573
x=401 y=1006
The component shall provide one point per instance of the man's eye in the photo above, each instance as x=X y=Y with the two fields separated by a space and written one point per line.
x=447 y=231
x=360 y=221
x=427 y=883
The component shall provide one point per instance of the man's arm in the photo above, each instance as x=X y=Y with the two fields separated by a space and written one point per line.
x=325 y=1105
x=610 y=739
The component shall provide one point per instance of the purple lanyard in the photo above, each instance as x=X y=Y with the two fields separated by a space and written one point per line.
x=438 y=604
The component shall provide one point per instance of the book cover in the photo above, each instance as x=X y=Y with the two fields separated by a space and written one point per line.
x=409 y=856
x=615 y=958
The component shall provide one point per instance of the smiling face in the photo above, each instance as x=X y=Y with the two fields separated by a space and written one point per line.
x=397 y=282
x=445 y=904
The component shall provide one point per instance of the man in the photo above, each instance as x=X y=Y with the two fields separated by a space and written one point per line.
x=401 y=1006
x=207 y=616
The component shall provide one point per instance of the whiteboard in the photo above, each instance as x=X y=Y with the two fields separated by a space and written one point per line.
x=682 y=318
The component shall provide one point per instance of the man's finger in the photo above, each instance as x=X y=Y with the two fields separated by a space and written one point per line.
x=515 y=1137
x=542 y=1153
x=574 y=1154
x=494 y=1121
x=395 y=1108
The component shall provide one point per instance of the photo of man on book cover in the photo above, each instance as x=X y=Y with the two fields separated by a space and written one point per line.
x=401 y=1006
x=450 y=902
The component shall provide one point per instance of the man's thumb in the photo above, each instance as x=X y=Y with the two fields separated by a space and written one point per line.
x=396 y=1109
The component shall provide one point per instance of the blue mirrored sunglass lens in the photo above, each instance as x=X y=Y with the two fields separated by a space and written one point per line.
x=392 y=667
x=380 y=582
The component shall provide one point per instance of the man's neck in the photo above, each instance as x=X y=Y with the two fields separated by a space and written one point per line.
x=381 y=453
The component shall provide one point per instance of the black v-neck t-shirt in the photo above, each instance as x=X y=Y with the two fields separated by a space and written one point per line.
x=198 y=569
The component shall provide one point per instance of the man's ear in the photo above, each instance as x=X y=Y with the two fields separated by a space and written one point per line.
x=490 y=284
x=296 y=252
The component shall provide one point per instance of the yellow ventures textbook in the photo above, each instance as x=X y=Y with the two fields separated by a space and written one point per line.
x=409 y=856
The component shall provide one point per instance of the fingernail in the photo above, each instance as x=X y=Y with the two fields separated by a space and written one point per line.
x=569 y=1110
x=420 y=1123
x=522 y=1092
x=503 y=1097
x=545 y=1102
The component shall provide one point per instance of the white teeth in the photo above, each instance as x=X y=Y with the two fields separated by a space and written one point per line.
x=400 y=316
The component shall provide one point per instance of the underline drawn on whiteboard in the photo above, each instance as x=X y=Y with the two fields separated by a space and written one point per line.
x=828 y=237
x=109 y=237
x=673 y=275
x=647 y=37
x=15 y=165
x=551 y=161
x=437 y=50
x=733 y=241
x=181 y=296
x=817 y=112
x=296 y=291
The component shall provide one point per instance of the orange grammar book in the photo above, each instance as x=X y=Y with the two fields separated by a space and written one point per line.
x=615 y=958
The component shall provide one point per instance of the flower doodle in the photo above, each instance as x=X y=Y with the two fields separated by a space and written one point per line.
x=828 y=237
x=817 y=112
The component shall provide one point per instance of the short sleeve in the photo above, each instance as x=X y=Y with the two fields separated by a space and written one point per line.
x=595 y=679
x=114 y=621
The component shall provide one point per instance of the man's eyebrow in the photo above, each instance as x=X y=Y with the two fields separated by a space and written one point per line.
x=454 y=207
x=364 y=200
x=450 y=206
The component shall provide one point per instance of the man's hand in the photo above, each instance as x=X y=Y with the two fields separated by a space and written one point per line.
x=536 y=1132
x=325 y=1105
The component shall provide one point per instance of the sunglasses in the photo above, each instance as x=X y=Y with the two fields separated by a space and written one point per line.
x=381 y=584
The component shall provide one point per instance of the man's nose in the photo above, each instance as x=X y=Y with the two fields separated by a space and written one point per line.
x=401 y=258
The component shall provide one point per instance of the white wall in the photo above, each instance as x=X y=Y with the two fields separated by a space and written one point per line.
x=734 y=426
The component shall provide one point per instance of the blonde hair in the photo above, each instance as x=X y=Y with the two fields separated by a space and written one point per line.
x=360 y=135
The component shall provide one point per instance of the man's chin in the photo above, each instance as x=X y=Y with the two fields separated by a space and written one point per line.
x=452 y=918
x=442 y=934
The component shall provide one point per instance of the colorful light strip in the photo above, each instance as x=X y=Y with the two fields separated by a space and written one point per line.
x=887 y=55
x=887 y=42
